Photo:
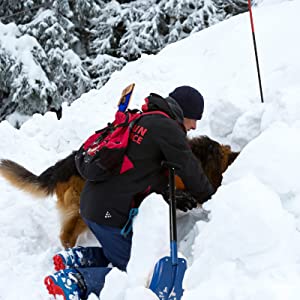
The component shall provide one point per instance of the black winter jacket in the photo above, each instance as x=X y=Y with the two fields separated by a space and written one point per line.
x=159 y=138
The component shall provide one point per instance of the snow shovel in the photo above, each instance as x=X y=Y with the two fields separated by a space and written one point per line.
x=168 y=273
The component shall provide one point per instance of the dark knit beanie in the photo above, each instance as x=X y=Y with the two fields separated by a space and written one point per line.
x=190 y=101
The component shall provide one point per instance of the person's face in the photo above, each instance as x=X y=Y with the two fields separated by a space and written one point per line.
x=189 y=124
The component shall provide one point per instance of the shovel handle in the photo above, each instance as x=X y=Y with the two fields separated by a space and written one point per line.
x=172 y=209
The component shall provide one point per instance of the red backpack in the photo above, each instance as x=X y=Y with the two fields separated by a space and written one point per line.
x=106 y=148
x=108 y=145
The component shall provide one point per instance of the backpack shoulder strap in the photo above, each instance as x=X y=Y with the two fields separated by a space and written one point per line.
x=138 y=116
x=155 y=112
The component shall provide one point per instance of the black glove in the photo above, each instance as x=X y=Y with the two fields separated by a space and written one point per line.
x=184 y=200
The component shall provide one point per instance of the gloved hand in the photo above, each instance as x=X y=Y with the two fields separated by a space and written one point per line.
x=184 y=200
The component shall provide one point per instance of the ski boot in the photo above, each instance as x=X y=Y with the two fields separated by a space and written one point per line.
x=69 y=258
x=67 y=283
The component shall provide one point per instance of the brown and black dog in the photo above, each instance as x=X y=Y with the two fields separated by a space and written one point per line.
x=64 y=180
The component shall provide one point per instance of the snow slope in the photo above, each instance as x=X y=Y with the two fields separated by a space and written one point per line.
x=250 y=248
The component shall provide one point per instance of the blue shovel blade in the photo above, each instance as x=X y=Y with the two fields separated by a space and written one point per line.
x=177 y=291
x=124 y=104
x=167 y=279
x=125 y=97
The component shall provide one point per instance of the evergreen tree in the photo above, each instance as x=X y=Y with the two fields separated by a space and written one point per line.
x=24 y=87
x=77 y=44
x=57 y=36
x=21 y=12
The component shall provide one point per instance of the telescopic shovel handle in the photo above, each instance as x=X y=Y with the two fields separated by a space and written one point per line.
x=172 y=200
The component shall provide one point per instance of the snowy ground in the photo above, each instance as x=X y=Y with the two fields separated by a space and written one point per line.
x=250 y=248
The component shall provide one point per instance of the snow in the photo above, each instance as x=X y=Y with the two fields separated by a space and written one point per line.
x=250 y=248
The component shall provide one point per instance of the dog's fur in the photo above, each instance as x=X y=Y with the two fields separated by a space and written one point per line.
x=64 y=180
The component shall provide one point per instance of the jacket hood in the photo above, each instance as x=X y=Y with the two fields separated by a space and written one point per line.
x=167 y=105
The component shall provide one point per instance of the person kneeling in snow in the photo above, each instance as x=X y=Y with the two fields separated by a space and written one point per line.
x=107 y=206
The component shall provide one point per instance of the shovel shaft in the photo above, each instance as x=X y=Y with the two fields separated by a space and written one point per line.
x=172 y=211
x=172 y=206
x=174 y=255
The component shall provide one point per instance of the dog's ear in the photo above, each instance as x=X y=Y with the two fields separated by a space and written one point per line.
x=228 y=157
x=231 y=157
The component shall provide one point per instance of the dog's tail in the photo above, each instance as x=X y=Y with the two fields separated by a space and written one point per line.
x=23 y=179
x=39 y=186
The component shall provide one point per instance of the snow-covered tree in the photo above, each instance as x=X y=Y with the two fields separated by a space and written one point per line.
x=24 y=84
x=78 y=44
x=146 y=26
x=101 y=68
x=21 y=12
x=56 y=34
